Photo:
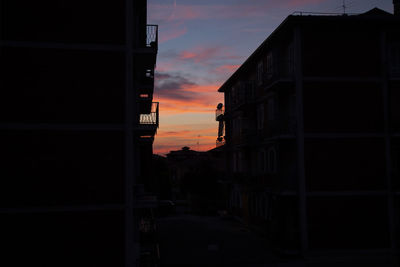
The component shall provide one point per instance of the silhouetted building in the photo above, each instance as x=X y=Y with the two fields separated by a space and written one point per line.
x=180 y=164
x=194 y=179
x=312 y=134
x=77 y=123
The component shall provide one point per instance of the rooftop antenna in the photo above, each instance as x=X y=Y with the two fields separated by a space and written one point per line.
x=344 y=7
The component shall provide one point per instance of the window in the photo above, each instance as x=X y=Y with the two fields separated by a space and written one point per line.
x=267 y=208
x=258 y=205
x=233 y=96
x=292 y=106
x=250 y=203
x=290 y=59
x=262 y=205
x=265 y=199
x=270 y=65
x=263 y=161
x=228 y=96
x=240 y=162
x=234 y=162
x=272 y=164
x=260 y=116
x=396 y=161
x=237 y=126
x=270 y=109
x=260 y=72
x=292 y=114
x=150 y=73
x=394 y=57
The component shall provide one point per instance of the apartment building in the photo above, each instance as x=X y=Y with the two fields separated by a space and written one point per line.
x=77 y=123
x=312 y=134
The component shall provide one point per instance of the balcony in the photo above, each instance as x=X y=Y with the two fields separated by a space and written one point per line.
x=245 y=95
x=283 y=71
x=152 y=36
x=220 y=141
x=146 y=80
x=148 y=122
x=148 y=47
x=219 y=114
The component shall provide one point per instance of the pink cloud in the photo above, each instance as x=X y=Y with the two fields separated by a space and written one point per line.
x=182 y=12
x=297 y=3
x=187 y=55
x=164 y=66
x=207 y=54
x=202 y=104
x=172 y=32
x=227 y=68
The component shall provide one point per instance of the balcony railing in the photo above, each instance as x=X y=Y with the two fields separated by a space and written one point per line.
x=151 y=119
x=245 y=94
x=220 y=142
x=219 y=114
x=152 y=36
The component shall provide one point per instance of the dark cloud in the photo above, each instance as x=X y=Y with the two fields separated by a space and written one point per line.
x=173 y=86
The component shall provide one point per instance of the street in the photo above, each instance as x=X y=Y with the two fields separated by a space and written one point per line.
x=198 y=241
x=192 y=240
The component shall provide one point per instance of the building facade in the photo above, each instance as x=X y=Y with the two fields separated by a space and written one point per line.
x=312 y=127
x=77 y=125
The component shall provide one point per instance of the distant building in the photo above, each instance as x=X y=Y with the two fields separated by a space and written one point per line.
x=194 y=179
x=313 y=134
x=180 y=164
x=77 y=123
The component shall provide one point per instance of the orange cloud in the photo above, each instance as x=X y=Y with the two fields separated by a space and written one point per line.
x=166 y=148
x=170 y=106
x=176 y=93
x=194 y=136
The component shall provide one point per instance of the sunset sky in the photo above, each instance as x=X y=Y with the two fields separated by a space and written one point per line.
x=201 y=43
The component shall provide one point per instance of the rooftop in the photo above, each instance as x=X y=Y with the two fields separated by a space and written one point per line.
x=300 y=17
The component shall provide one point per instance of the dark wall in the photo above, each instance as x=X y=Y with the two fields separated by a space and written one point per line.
x=61 y=168
x=394 y=100
x=64 y=86
x=345 y=164
x=348 y=222
x=70 y=21
x=63 y=239
x=343 y=107
x=340 y=49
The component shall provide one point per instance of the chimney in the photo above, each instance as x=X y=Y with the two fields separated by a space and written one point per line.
x=396 y=7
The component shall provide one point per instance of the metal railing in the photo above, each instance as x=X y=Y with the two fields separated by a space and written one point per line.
x=152 y=36
x=219 y=114
x=245 y=94
x=151 y=119
x=220 y=142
